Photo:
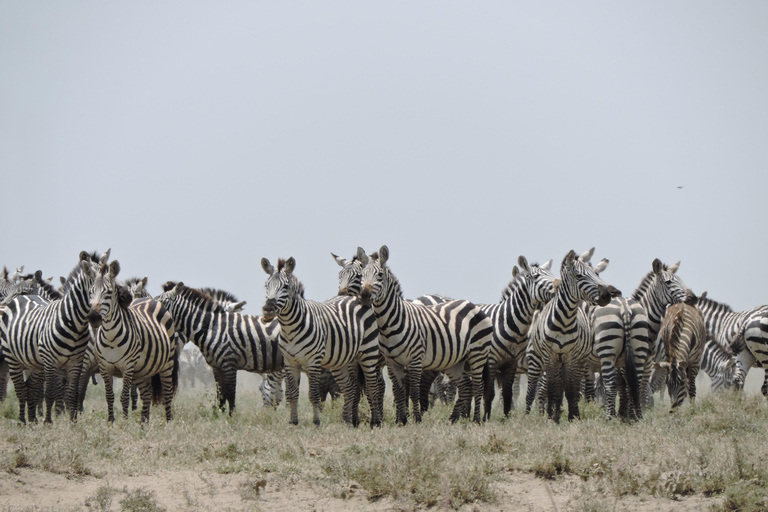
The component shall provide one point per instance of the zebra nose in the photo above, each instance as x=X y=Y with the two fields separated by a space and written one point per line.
x=365 y=296
x=604 y=296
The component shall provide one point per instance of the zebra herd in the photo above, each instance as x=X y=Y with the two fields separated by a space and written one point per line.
x=573 y=336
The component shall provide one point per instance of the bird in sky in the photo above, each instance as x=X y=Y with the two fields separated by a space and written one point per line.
x=681 y=186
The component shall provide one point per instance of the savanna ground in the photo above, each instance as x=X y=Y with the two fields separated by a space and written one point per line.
x=711 y=455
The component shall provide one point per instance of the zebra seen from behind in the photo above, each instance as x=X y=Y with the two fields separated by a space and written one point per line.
x=134 y=340
x=446 y=336
x=339 y=334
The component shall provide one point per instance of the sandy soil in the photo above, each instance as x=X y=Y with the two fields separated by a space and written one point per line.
x=27 y=489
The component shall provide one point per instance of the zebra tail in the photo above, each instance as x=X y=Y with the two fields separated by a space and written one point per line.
x=633 y=378
x=175 y=374
x=157 y=390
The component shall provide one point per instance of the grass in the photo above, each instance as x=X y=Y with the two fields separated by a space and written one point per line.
x=714 y=448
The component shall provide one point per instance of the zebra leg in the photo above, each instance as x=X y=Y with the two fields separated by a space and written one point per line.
x=4 y=372
x=572 y=377
x=166 y=381
x=414 y=375
x=292 y=376
x=110 y=396
x=218 y=377
x=397 y=377
x=427 y=378
x=374 y=391
x=73 y=390
x=490 y=374
x=554 y=392
x=21 y=388
x=464 y=385
x=313 y=374
x=692 y=371
x=507 y=380
x=764 y=387
x=608 y=377
x=134 y=397
x=52 y=389
x=346 y=377
x=534 y=374
x=145 y=393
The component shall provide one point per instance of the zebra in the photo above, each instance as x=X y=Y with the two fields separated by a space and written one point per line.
x=46 y=337
x=683 y=335
x=135 y=341
x=338 y=334
x=723 y=325
x=350 y=284
x=531 y=287
x=228 y=341
x=445 y=336
x=561 y=337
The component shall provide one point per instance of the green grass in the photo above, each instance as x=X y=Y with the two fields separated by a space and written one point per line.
x=714 y=448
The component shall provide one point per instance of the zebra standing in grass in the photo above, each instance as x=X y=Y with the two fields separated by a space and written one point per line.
x=561 y=337
x=751 y=326
x=446 y=336
x=350 y=283
x=228 y=341
x=134 y=340
x=339 y=334
x=658 y=289
x=531 y=287
x=47 y=337
x=683 y=335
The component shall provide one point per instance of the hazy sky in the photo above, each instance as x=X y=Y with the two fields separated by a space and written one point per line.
x=195 y=138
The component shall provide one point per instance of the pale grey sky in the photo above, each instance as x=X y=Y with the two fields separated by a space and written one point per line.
x=194 y=138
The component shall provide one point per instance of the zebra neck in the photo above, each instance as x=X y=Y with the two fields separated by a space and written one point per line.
x=115 y=329
x=654 y=307
x=293 y=318
x=74 y=306
x=391 y=308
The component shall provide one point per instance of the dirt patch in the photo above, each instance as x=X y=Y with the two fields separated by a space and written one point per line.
x=31 y=489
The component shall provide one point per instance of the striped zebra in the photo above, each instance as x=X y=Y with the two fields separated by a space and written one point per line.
x=531 y=287
x=44 y=338
x=350 y=284
x=134 y=340
x=659 y=288
x=683 y=335
x=338 y=334
x=750 y=327
x=413 y=337
x=561 y=337
x=228 y=341
x=621 y=348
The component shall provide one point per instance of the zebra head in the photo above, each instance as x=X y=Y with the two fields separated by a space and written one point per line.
x=138 y=287
x=107 y=294
x=281 y=287
x=350 y=275
x=537 y=281
x=667 y=286
x=377 y=282
x=677 y=383
x=580 y=281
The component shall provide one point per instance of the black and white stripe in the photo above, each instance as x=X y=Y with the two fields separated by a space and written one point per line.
x=134 y=340
x=683 y=335
x=45 y=338
x=561 y=337
x=338 y=334
x=445 y=336
x=228 y=341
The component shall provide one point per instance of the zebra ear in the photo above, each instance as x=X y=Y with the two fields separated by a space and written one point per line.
x=602 y=265
x=114 y=269
x=523 y=263
x=362 y=256
x=587 y=255
x=515 y=272
x=547 y=265
x=62 y=279
x=290 y=265
x=144 y=282
x=238 y=307
x=84 y=256
x=673 y=268
x=267 y=266
x=658 y=266
x=105 y=257
x=339 y=261
x=570 y=258
x=383 y=254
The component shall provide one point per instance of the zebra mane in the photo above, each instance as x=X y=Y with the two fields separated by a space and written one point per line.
x=48 y=289
x=717 y=307
x=645 y=284
x=280 y=264
x=220 y=295
x=124 y=296
x=197 y=298
x=374 y=256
